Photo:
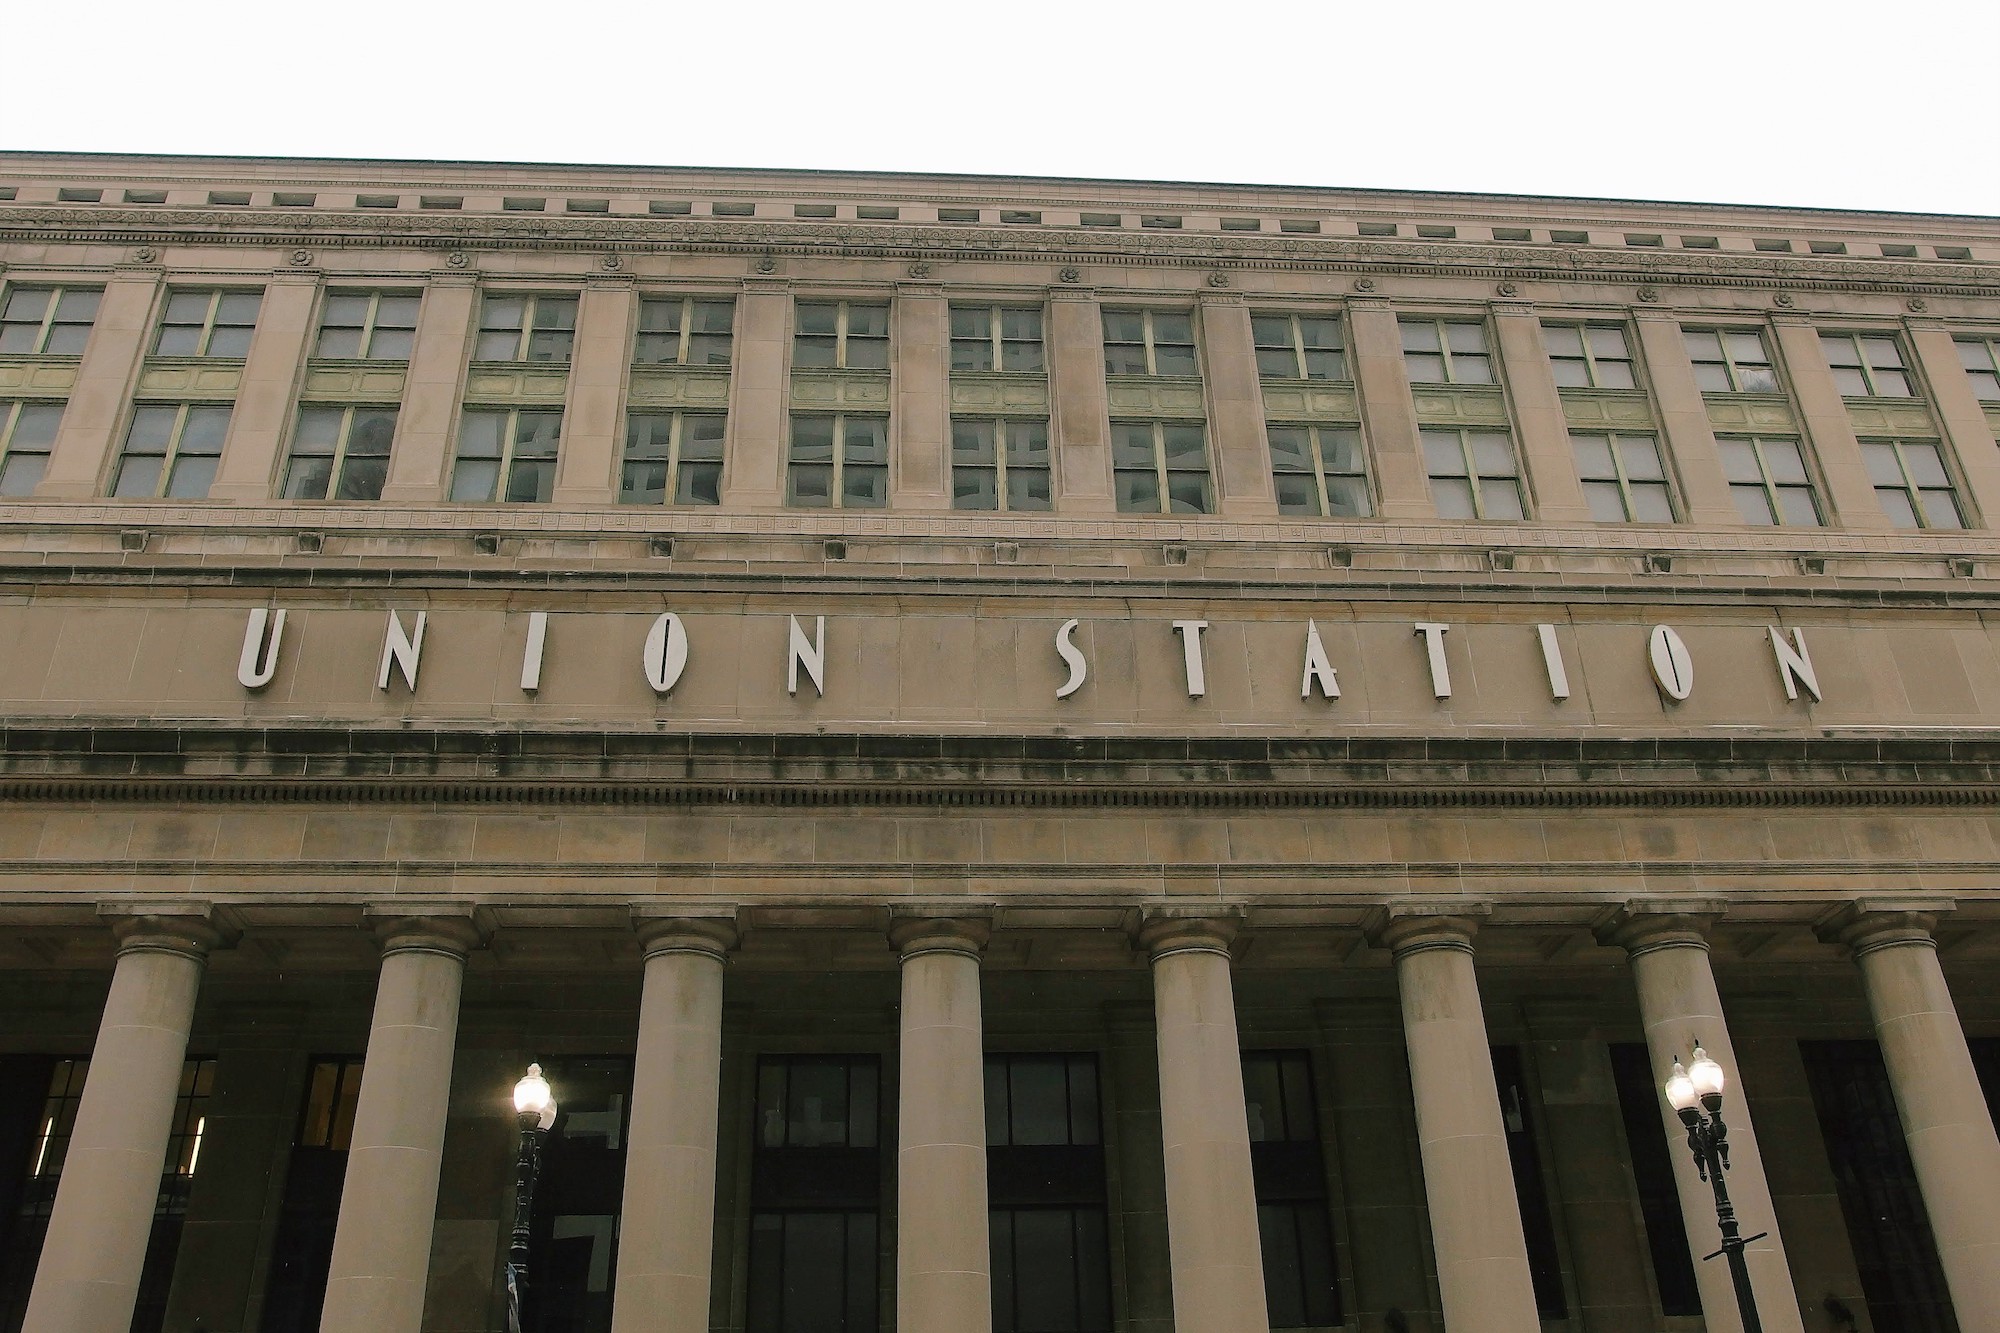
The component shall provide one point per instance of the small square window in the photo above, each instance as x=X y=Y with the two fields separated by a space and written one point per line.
x=1100 y=219
x=293 y=199
x=878 y=212
x=812 y=210
x=1827 y=247
x=1898 y=251
x=519 y=203
x=7 y=192
x=1299 y=226
x=1165 y=220
x=1378 y=229
x=441 y=201
x=377 y=200
x=1700 y=243
x=229 y=198
x=724 y=208
x=676 y=208
x=1953 y=252
x=1512 y=234
x=1438 y=233
x=1243 y=224
x=1570 y=237
x=1644 y=240
x=586 y=205
x=71 y=194
x=145 y=196
x=958 y=215
x=1020 y=215
x=1773 y=245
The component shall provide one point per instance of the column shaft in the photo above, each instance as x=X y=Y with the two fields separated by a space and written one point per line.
x=593 y=425
x=753 y=474
x=104 y=382
x=1079 y=416
x=1235 y=409
x=270 y=383
x=433 y=391
x=1545 y=451
x=921 y=422
x=1691 y=451
x=1388 y=414
x=943 y=1259
x=1849 y=494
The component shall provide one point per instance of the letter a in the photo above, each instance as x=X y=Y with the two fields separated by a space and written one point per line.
x=1318 y=669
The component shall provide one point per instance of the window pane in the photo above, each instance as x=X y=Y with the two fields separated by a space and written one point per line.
x=308 y=478
x=1892 y=384
x=1027 y=444
x=972 y=442
x=812 y=439
x=1492 y=455
x=319 y=430
x=1347 y=497
x=1712 y=378
x=204 y=431
x=1702 y=344
x=391 y=345
x=1045 y=1254
x=809 y=486
x=868 y=321
x=480 y=433
x=971 y=355
x=238 y=308
x=815 y=353
x=138 y=475
x=1739 y=460
x=1466 y=337
x=866 y=440
x=361 y=477
x=1021 y=325
x=708 y=349
x=1896 y=504
x=1340 y=450
x=549 y=345
x=397 y=312
x=1184 y=446
x=1325 y=365
x=1124 y=326
x=191 y=477
x=1797 y=504
x=535 y=434
x=1187 y=493
x=553 y=312
x=1925 y=464
x=1650 y=503
x=1131 y=444
x=1571 y=374
x=975 y=488
x=1038 y=1100
x=1172 y=329
x=1120 y=359
x=1562 y=340
x=867 y=353
x=1138 y=492
x=1297 y=493
x=1880 y=459
x=647 y=437
x=1615 y=375
x=1607 y=503
x=1469 y=369
x=530 y=481
x=700 y=484
x=1029 y=489
x=1593 y=457
x=1419 y=337
x=1850 y=382
x=496 y=347
x=1453 y=498
x=702 y=436
x=1291 y=448
x=229 y=343
x=1757 y=379
x=1022 y=357
x=21 y=473
x=1608 y=343
x=1271 y=331
x=1783 y=461
x=474 y=479
x=1641 y=458
x=35 y=425
x=349 y=310
x=1882 y=353
x=1500 y=499
x=971 y=322
x=1424 y=368
x=1941 y=510
x=1174 y=360
x=864 y=487
x=1319 y=333
x=1753 y=504
x=1444 y=456
x=335 y=342
x=1747 y=348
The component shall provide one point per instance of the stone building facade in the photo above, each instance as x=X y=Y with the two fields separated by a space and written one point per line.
x=1029 y=755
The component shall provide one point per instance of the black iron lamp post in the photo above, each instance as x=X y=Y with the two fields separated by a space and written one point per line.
x=1696 y=1096
x=535 y=1111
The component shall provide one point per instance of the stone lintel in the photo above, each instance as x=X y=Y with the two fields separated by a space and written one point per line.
x=709 y=928
x=1876 y=921
x=1643 y=924
x=433 y=926
x=179 y=926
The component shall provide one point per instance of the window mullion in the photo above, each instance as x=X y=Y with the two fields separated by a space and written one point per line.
x=1160 y=462
x=839 y=448
x=1000 y=462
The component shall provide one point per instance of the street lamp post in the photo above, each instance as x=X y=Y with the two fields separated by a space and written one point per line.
x=1693 y=1091
x=534 y=1111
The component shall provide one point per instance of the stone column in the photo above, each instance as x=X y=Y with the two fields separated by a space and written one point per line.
x=1212 y=1235
x=1482 y=1256
x=95 y=1251
x=272 y=372
x=667 y=1229
x=943 y=1260
x=1388 y=414
x=1963 y=418
x=753 y=473
x=388 y=1203
x=433 y=390
x=593 y=424
x=1546 y=456
x=1691 y=450
x=920 y=425
x=105 y=379
x=1679 y=1006
x=1848 y=493
x=1938 y=1097
x=1080 y=413
x=1235 y=409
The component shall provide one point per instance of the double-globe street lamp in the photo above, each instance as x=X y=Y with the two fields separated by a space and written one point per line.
x=1695 y=1093
x=535 y=1112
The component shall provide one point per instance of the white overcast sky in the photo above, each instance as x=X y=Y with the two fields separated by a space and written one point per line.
x=1834 y=103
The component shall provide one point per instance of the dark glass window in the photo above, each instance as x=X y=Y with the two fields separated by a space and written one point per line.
x=1886 y=1222
x=37 y=1108
x=310 y=1208
x=573 y=1248
x=1647 y=1149
x=815 y=1194
x=1537 y=1223
x=1293 y=1225
x=1046 y=1194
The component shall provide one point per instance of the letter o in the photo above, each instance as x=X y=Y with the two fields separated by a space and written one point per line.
x=1673 y=669
x=666 y=653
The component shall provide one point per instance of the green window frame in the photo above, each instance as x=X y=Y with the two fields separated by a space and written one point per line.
x=840 y=335
x=672 y=458
x=1913 y=483
x=506 y=455
x=1000 y=338
x=1150 y=342
x=684 y=331
x=1770 y=481
x=1446 y=351
x=1981 y=359
x=171 y=451
x=27 y=436
x=1161 y=467
x=1000 y=463
x=838 y=460
x=368 y=326
x=1623 y=476
x=210 y=322
x=1731 y=360
x=1319 y=471
x=1590 y=356
x=48 y=321
x=515 y=327
x=1473 y=474
x=1868 y=365
x=1299 y=347
x=340 y=453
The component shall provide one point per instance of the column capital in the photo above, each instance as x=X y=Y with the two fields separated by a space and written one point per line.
x=1880 y=921
x=1207 y=928
x=1415 y=927
x=451 y=928
x=940 y=928
x=686 y=928
x=1642 y=925
x=189 y=929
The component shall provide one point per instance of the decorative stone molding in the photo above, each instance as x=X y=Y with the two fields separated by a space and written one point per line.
x=1882 y=921
x=686 y=928
x=452 y=928
x=1167 y=930
x=1645 y=924
x=1417 y=926
x=944 y=928
x=191 y=929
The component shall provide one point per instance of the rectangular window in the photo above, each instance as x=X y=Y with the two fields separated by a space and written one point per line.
x=1160 y=467
x=840 y=335
x=1293 y=1221
x=1867 y=365
x=1981 y=359
x=1647 y=1147
x=1623 y=478
x=1473 y=474
x=1149 y=342
x=999 y=464
x=1911 y=482
x=672 y=454
x=507 y=455
x=684 y=331
x=27 y=434
x=1769 y=482
x=1441 y=351
x=215 y=324
x=368 y=326
x=47 y=321
x=526 y=328
x=1046 y=1195
x=1589 y=356
x=574 y=1235
x=1299 y=347
x=302 y=1248
x=839 y=462
x=171 y=451
x=1319 y=470
x=1530 y=1190
x=340 y=453
x=1730 y=360
x=996 y=338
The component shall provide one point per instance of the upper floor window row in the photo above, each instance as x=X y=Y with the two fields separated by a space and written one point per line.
x=47 y=321
x=1149 y=342
x=684 y=331
x=526 y=328
x=1867 y=365
x=1981 y=359
x=840 y=335
x=1589 y=356
x=214 y=323
x=1442 y=351
x=1299 y=347
x=368 y=326
x=1000 y=338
